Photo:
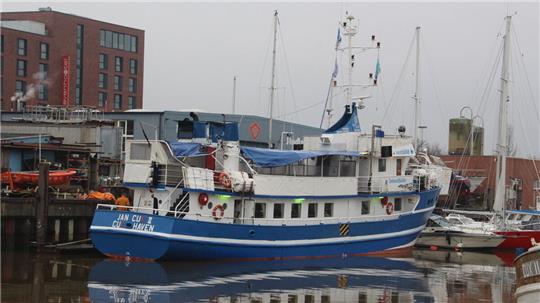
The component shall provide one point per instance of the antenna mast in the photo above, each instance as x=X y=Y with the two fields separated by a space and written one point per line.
x=417 y=107
x=273 y=84
x=350 y=29
x=499 y=204
x=234 y=95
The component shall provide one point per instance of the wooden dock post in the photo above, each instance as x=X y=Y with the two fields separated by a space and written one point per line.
x=42 y=205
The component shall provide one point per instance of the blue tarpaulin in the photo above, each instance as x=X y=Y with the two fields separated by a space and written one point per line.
x=263 y=157
x=184 y=149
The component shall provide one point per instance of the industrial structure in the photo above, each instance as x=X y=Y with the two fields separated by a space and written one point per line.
x=54 y=58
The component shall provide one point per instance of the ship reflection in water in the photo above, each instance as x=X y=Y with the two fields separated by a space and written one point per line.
x=424 y=276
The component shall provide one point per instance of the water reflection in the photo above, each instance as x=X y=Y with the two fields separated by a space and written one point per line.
x=425 y=276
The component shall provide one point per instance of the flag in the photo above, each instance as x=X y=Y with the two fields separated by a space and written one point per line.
x=335 y=72
x=338 y=39
x=377 y=69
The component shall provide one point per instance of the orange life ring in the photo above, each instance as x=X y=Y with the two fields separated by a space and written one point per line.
x=225 y=179
x=389 y=208
x=218 y=212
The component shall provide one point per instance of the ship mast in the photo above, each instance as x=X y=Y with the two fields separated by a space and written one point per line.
x=273 y=83
x=350 y=29
x=417 y=105
x=502 y=143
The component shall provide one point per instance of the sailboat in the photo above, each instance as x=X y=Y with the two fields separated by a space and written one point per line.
x=348 y=192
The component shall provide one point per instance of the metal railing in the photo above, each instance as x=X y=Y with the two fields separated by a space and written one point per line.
x=391 y=184
x=61 y=114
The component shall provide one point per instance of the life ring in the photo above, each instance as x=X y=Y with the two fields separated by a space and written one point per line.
x=384 y=200
x=225 y=179
x=218 y=212
x=389 y=208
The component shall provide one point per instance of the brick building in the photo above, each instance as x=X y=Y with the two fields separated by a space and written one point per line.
x=522 y=179
x=54 y=58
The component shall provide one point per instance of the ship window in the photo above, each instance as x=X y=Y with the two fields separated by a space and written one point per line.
x=139 y=152
x=328 y=209
x=312 y=210
x=309 y=298
x=398 y=167
x=382 y=165
x=397 y=204
x=365 y=207
x=278 y=210
x=362 y=297
x=296 y=210
x=325 y=299
x=260 y=210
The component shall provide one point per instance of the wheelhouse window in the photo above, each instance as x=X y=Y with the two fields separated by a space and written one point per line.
x=296 y=210
x=365 y=207
x=312 y=210
x=398 y=167
x=260 y=210
x=397 y=204
x=328 y=209
x=382 y=165
x=278 y=210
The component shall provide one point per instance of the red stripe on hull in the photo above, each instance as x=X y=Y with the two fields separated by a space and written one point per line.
x=518 y=239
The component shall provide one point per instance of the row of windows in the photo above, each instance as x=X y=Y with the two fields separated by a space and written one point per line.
x=103 y=80
x=102 y=100
x=116 y=40
x=118 y=64
x=296 y=210
x=79 y=64
x=22 y=48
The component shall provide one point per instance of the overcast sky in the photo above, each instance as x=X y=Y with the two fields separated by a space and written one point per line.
x=193 y=51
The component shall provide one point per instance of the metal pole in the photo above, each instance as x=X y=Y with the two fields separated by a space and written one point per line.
x=234 y=96
x=42 y=204
x=417 y=117
x=273 y=84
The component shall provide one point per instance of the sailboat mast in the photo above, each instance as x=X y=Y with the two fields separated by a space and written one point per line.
x=273 y=84
x=502 y=143
x=417 y=107
x=234 y=95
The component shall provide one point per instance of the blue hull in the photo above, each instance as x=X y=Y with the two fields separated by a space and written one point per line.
x=160 y=237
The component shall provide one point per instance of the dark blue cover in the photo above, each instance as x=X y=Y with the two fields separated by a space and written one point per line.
x=347 y=123
x=199 y=129
x=184 y=149
x=272 y=157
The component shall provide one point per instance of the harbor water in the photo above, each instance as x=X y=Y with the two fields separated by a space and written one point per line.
x=418 y=276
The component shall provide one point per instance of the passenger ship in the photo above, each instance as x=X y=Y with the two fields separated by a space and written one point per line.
x=346 y=192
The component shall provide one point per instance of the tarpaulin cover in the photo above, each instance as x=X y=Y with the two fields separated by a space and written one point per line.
x=263 y=157
x=347 y=123
x=184 y=149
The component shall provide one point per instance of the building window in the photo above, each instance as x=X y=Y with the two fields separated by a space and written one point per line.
x=365 y=207
x=119 y=41
x=133 y=66
x=2 y=44
x=118 y=63
x=278 y=210
x=102 y=99
x=102 y=81
x=382 y=165
x=21 y=68
x=131 y=102
x=21 y=47
x=328 y=209
x=103 y=61
x=20 y=86
x=117 y=101
x=260 y=210
x=43 y=71
x=43 y=93
x=132 y=85
x=117 y=83
x=296 y=210
x=312 y=210
x=44 y=51
x=397 y=204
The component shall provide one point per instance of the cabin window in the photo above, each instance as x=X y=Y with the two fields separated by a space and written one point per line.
x=365 y=207
x=398 y=167
x=312 y=210
x=309 y=298
x=260 y=210
x=382 y=165
x=328 y=209
x=278 y=210
x=296 y=210
x=397 y=204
